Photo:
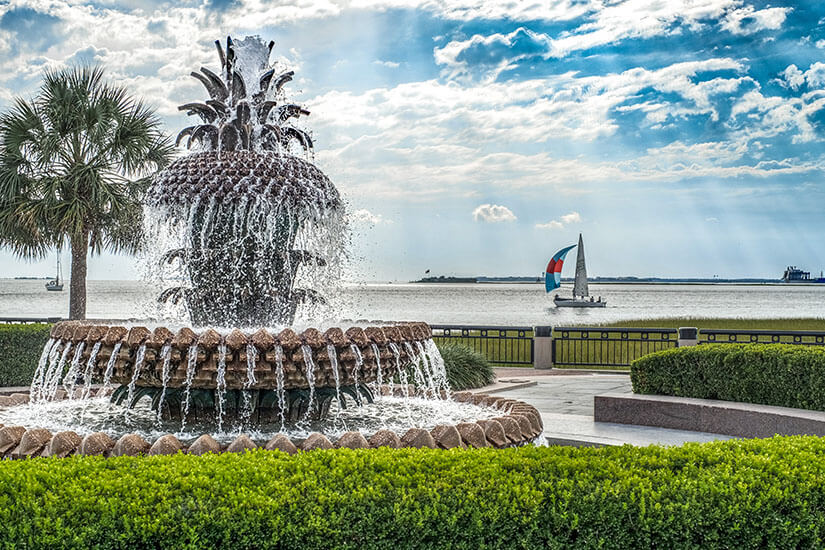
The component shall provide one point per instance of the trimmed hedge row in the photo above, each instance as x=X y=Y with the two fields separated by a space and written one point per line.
x=466 y=368
x=746 y=494
x=768 y=374
x=20 y=349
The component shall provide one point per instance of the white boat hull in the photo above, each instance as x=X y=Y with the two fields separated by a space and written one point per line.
x=574 y=302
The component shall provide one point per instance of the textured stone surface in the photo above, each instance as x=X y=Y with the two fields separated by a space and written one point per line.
x=511 y=428
x=19 y=398
x=32 y=443
x=352 y=440
x=472 y=434
x=494 y=433
x=130 y=445
x=316 y=441
x=385 y=438
x=165 y=445
x=281 y=443
x=63 y=444
x=527 y=430
x=97 y=444
x=204 y=444
x=706 y=415
x=241 y=444
x=447 y=437
x=418 y=438
x=10 y=438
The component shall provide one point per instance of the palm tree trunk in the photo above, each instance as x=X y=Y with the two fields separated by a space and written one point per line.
x=77 y=288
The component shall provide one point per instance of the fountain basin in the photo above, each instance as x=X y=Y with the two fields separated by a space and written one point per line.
x=507 y=423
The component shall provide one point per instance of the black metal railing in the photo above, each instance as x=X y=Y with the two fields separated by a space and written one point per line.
x=608 y=347
x=511 y=346
x=26 y=320
x=734 y=336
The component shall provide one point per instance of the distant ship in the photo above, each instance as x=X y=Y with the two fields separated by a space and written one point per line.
x=56 y=284
x=796 y=275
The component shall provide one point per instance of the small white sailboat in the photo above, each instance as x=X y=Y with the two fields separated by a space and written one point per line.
x=56 y=284
x=581 y=293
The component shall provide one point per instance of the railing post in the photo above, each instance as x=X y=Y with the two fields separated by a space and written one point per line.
x=542 y=347
x=688 y=336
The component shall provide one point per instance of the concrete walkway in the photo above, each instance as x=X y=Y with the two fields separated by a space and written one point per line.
x=565 y=401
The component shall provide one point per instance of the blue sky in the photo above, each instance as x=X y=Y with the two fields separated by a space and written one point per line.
x=476 y=137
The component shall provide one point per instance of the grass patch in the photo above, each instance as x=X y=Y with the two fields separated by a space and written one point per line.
x=466 y=368
x=728 y=324
x=501 y=347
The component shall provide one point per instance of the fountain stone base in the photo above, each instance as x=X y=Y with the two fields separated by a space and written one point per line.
x=261 y=375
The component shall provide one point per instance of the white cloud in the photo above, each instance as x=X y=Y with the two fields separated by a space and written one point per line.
x=553 y=224
x=712 y=220
x=792 y=77
x=493 y=213
x=365 y=216
x=567 y=219
x=820 y=44
x=491 y=54
x=747 y=20
x=572 y=217
x=388 y=64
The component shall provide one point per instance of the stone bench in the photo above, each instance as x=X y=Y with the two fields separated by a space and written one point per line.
x=707 y=415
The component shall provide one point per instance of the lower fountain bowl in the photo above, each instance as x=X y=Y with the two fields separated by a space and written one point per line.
x=274 y=374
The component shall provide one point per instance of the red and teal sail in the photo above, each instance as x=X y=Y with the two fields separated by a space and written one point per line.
x=552 y=277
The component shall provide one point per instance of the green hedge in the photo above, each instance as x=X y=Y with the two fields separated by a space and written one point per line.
x=20 y=349
x=732 y=494
x=770 y=374
x=466 y=368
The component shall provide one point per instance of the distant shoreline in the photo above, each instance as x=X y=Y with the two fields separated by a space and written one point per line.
x=614 y=281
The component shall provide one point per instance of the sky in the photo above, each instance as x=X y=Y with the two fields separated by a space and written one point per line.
x=682 y=138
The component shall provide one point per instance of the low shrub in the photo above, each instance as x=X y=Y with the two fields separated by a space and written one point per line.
x=732 y=494
x=466 y=368
x=20 y=349
x=769 y=374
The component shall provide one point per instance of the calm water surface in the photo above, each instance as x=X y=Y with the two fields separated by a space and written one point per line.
x=480 y=304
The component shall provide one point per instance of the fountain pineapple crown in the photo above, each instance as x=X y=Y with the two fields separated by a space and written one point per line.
x=238 y=117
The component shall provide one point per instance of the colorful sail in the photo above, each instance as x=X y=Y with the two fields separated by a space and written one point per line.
x=552 y=277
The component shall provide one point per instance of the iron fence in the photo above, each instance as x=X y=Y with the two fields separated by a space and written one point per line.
x=733 y=336
x=512 y=346
x=608 y=347
x=26 y=320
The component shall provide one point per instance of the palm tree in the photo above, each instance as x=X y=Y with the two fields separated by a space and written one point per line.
x=74 y=164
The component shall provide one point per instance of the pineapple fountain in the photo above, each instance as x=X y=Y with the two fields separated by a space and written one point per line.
x=255 y=231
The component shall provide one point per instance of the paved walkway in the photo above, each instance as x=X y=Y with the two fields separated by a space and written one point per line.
x=565 y=401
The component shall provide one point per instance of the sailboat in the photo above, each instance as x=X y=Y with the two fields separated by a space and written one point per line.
x=581 y=294
x=56 y=283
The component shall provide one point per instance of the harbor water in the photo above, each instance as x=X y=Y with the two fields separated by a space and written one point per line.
x=471 y=304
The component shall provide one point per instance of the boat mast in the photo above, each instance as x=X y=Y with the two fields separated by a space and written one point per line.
x=580 y=286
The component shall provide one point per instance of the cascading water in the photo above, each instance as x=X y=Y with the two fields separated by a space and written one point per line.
x=166 y=357
x=191 y=363
x=310 y=376
x=220 y=384
x=333 y=363
x=254 y=235
x=279 y=380
x=110 y=366
x=87 y=373
x=379 y=378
